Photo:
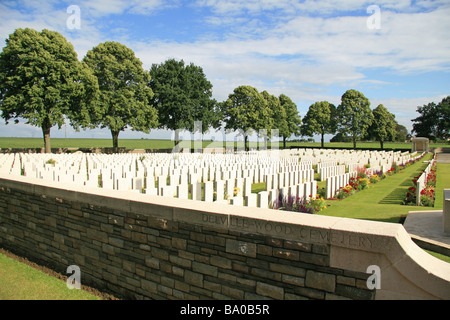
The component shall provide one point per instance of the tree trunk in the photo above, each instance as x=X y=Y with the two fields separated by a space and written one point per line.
x=354 y=142
x=381 y=144
x=177 y=141
x=115 y=137
x=322 y=140
x=46 y=134
x=284 y=142
x=46 y=126
x=245 y=143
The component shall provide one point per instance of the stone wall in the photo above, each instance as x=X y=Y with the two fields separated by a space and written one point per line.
x=140 y=246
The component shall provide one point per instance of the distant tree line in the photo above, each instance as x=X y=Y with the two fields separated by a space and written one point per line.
x=43 y=82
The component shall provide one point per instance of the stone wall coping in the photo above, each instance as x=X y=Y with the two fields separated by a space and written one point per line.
x=385 y=244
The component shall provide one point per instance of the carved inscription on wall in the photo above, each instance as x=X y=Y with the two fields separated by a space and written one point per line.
x=289 y=231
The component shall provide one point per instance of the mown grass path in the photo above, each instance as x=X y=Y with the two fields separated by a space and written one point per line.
x=442 y=182
x=382 y=201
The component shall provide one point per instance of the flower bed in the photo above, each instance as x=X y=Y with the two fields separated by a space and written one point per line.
x=291 y=203
x=427 y=192
x=361 y=182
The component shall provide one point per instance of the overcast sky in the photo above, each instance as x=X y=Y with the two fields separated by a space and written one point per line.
x=396 y=52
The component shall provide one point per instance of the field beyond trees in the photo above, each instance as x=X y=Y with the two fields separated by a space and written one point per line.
x=155 y=144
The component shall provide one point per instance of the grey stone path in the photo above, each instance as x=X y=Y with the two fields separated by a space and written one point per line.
x=427 y=226
x=443 y=158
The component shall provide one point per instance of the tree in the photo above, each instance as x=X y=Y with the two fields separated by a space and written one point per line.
x=293 y=118
x=433 y=121
x=320 y=119
x=384 y=126
x=425 y=124
x=245 y=110
x=278 y=118
x=401 y=133
x=182 y=97
x=341 y=137
x=354 y=114
x=42 y=81
x=124 y=93
x=444 y=118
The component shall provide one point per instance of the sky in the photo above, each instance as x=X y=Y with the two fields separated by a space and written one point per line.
x=396 y=52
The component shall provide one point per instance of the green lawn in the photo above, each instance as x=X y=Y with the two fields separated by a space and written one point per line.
x=85 y=143
x=168 y=144
x=19 y=281
x=382 y=201
x=442 y=182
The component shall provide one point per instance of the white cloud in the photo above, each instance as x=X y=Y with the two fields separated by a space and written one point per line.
x=100 y=8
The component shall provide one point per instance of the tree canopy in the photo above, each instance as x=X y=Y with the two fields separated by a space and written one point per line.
x=125 y=97
x=434 y=120
x=42 y=81
x=320 y=119
x=384 y=126
x=354 y=114
x=293 y=119
x=246 y=111
x=277 y=119
x=401 y=133
x=182 y=96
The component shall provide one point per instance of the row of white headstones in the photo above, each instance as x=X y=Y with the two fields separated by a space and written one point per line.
x=221 y=178
x=422 y=180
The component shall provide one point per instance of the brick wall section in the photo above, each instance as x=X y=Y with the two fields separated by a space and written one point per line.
x=136 y=255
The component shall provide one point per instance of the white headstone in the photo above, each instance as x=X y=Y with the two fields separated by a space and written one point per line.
x=263 y=199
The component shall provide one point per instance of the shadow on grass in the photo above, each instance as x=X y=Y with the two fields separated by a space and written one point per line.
x=395 y=197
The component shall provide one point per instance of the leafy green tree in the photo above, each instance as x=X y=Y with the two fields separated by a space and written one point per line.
x=183 y=95
x=320 y=119
x=354 y=115
x=384 y=126
x=425 y=124
x=293 y=118
x=401 y=133
x=245 y=111
x=124 y=93
x=278 y=118
x=42 y=81
x=444 y=118
x=433 y=121
x=341 y=137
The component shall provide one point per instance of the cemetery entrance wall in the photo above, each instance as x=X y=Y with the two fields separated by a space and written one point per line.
x=141 y=246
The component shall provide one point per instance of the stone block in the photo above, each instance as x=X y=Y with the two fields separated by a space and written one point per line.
x=204 y=269
x=321 y=281
x=269 y=290
x=97 y=235
x=241 y=248
x=193 y=278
